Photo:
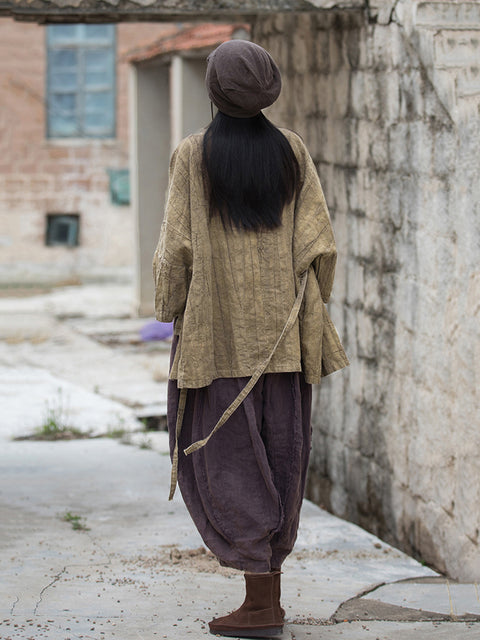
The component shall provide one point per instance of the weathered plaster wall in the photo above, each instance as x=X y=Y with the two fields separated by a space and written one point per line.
x=390 y=114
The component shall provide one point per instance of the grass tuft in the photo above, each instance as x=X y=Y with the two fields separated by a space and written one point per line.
x=75 y=520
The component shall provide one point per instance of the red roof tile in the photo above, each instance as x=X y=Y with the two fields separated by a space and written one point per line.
x=187 y=37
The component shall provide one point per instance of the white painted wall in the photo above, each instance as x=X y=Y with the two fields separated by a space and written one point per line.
x=169 y=102
x=150 y=146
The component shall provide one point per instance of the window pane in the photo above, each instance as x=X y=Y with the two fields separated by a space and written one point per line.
x=98 y=59
x=98 y=101
x=63 y=32
x=63 y=59
x=62 y=103
x=66 y=80
x=95 y=120
x=99 y=31
x=98 y=79
x=63 y=126
x=99 y=122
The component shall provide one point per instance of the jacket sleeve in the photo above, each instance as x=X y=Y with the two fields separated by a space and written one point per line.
x=172 y=260
x=314 y=242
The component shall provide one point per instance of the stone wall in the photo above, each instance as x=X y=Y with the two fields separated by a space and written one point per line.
x=390 y=114
x=39 y=175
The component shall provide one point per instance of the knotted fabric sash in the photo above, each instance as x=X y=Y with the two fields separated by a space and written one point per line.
x=241 y=396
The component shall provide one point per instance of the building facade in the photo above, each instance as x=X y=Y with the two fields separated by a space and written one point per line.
x=65 y=213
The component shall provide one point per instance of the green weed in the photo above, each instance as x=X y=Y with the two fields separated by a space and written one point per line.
x=55 y=424
x=76 y=521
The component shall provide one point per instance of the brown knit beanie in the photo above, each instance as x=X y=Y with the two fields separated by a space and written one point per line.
x=242 y=78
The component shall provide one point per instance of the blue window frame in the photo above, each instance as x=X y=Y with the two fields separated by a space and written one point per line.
x=81 y=81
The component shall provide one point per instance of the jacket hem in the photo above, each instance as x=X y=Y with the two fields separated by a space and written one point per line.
x=184 y=382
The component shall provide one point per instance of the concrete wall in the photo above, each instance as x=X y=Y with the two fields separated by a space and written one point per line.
x=390 y=114
x=40 y=176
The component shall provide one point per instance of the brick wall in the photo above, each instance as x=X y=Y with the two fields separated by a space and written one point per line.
x=40 y=176
x=396 y=440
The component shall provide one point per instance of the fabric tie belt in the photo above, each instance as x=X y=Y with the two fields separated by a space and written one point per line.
x=241 y=396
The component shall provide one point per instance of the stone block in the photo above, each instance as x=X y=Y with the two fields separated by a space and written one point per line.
x=313 y=138
x=468 y=81
x=309 y=97
x=367 y=336
x=411 y=89
x=456 y=48
x=407 y=305
x=350 y=337
x=370 y=138
x=321 y=51
x=372 y=96
x=354 y=227
x=355 y=285
x=357 y=475
x=467 y=492
x=378 y=148
x=366 y=432
x=398 y=151
x=372 y=296
x=339 y=93
x=357 y=94
x=273 y=46
x=446 y=250
x=339 y=500
x=336 y=460
x=325 y=171
x=445 y=145
x=339 y=191
x=354 y=181
x=364 y=52
x=390 y=96
x=368 y=243
x=300 y=56
x=420 y=148
x=433 y=204
x=322 y=87
x=347 y=149
x=448 y=15
x=330 y=141
x=355 y=48
x=279 y=21
x=391 y=202
x=335 y=48
x=381 y=43
x=351 y=412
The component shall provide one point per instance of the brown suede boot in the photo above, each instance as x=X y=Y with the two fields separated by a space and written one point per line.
x=277 y=589
x=259 y=616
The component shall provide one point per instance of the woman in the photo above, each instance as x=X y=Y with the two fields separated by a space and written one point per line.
x=245 y=265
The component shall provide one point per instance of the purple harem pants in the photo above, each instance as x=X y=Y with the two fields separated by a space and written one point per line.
x=244 y=489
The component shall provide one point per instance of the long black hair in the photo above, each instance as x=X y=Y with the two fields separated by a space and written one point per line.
x=252 y=171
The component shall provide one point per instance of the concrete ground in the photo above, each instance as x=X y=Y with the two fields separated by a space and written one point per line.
x=91 y=548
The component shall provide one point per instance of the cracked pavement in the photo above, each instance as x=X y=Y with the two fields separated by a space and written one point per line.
x=137 y=568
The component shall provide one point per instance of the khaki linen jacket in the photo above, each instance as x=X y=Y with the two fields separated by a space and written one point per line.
x=230 y=292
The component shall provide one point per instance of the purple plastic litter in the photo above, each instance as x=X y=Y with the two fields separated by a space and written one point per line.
x=156 y=330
